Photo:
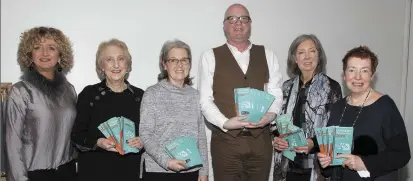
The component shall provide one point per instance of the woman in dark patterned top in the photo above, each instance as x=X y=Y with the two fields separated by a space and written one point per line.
x=40 y=110
x=307 y=98
x=380 y=141
x=112 y=98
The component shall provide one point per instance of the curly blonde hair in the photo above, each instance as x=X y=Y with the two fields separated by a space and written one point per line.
x=31 y=37
x=102 y=47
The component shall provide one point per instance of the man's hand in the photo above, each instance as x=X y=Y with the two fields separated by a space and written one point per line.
x=237 y=122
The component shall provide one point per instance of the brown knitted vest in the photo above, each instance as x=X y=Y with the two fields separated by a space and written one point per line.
x=228 y=75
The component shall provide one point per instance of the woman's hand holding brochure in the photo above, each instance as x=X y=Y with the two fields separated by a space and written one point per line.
x=106 y=144
x=135 y=142
x=353 y=162
x=324 y=160
x=304 y=149
x=280 y=144
x=176 y=165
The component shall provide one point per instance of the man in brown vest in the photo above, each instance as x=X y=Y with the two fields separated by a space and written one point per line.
x=240 y=150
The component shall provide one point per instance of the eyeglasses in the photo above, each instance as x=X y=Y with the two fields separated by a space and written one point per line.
x=234 y=19
x=184 y=61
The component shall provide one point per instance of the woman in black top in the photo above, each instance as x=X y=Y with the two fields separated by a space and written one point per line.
x=307 y=97
x=380 y=142
x=114 y=97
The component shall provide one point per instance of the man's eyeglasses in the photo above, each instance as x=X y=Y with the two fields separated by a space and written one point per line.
x=234 y=19
x=184 y=61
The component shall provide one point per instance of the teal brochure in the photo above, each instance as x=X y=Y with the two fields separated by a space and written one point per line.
x=104 y=129
x=128 y=133
x=289 y=154
x=335 y=140
x=115 y=128
x=184 y=148
x=243 y=104
x=252 y=102
x=119 y=130
x=282 y=123
x=292 y=134
x=319 y=132
x=343 y=141
x=296 y=138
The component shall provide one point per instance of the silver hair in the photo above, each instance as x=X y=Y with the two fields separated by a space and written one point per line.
x=167 y=46
x=115 y=42
x=292 y=67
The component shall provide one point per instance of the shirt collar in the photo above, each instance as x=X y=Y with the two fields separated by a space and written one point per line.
x=235 y=49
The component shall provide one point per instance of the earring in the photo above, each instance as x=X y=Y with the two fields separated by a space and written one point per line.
x=31 y=67
x=59 y=67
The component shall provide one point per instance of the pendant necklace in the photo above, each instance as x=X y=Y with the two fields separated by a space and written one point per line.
x=358 y=114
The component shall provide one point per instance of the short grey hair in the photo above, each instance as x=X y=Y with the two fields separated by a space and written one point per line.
x=292 y=67
x=114 y=42
x=167 y=46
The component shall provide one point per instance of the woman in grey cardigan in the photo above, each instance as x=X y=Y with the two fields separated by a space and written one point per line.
x=171 y=109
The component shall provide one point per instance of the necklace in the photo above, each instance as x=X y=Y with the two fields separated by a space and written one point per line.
x=113 y=90
x=358 y=114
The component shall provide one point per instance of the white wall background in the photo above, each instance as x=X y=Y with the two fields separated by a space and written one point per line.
x=145 y=25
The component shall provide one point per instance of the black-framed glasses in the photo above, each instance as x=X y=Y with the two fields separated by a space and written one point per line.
x=242 y=19
x=184 y=61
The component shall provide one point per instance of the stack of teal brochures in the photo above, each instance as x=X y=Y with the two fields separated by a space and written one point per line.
x=335 y=140
x=252 y=102
x=119 y=130
x=184 y=148
x=291 y=133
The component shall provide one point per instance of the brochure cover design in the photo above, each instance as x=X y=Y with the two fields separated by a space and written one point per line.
x=119 y=130
x=335 y=140
x=292 y=134
x=252 y=102
x=184 y=148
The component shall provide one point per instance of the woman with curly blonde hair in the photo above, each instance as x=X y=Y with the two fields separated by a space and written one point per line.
x=40 y=110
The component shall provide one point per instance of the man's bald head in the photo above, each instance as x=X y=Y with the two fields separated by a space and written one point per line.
x=234 y=8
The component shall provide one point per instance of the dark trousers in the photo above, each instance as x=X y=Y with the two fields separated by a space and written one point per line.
x=243 y=158
x=152 y=176
x=292 y=176
x=65 y=172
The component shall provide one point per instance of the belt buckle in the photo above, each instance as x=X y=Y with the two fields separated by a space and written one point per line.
x=245 y=132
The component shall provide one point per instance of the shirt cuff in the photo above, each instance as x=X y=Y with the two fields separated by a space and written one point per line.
x=221 y=122
x=364 y=173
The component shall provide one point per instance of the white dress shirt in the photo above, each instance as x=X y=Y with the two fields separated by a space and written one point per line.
x=206 y=75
